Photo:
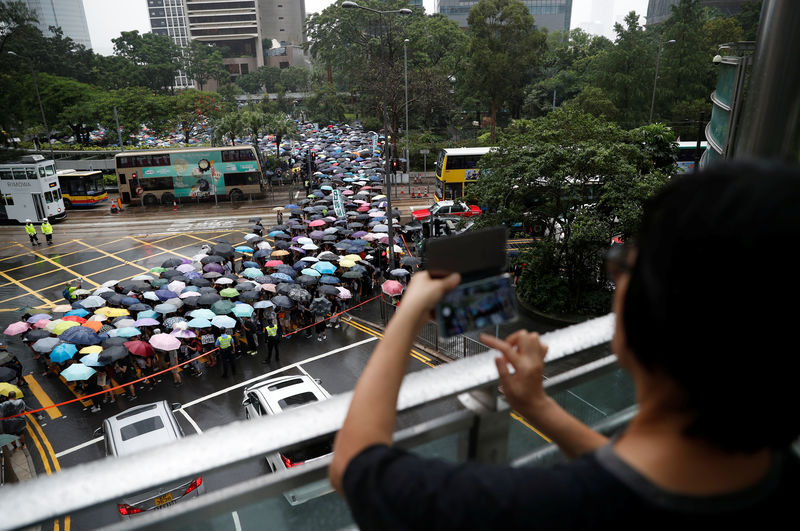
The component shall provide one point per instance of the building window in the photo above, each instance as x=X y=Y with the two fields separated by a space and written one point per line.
x=244 y=68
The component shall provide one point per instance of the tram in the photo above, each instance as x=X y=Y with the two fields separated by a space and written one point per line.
x=29 y=189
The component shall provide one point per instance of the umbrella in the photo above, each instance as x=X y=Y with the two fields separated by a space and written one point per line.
x=229 y=292
x=7 y=374
x=80 y=312
x=202 y=314
x=199 y=322
x=16 y=328
x=63 y=352
x=300 y=295
x=35 y=335
x=77 y=371
x=243 y=310
x=252 y=272
x=171 y=262
x=128 y=331
x=212 y=259
x=263 y=304
x=222 y=307
x=170 y=323
x=6 y=388
x=282 y=301
x=320 y=306
x=80 y=335
x=92 y=360
x=33 y=318
x=61 y=326
x=344 y=293
x=329 y=279
x=223 y=321
x=183 y=334
x=208 y=298
x=95 y=326
x=326 y=268
x=410 y=260
x=46 y=344
x=392 y=287
x=399 y=272
x=91 y=349
x=213 y=267
x=112 y=353
x=165 y=342
x=164 y=309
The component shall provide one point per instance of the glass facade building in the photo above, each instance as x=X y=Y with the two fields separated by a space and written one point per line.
x=659 y=10
x=551 y=14
x=167 y=17
x=66 y=14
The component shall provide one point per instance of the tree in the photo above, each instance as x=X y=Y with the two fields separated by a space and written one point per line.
x=254 y=121
x=577 y=181
x=203 y=62
x=156 y=58
x=282 y=127
x=192 y=107
x=325 y=105
x=229 y=126
x=295 y=78
x=505 y=46
x=16 y=20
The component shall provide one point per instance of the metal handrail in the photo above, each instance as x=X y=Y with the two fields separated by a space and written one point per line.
x=74 y=489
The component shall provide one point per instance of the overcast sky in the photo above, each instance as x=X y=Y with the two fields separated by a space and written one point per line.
x=107 y=18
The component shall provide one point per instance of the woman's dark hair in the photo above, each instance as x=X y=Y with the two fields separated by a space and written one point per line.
x=712 y=296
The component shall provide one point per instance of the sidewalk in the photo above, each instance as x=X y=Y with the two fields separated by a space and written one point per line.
x=18 y=464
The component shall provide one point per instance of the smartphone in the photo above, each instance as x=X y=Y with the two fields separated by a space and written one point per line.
x=477 y=304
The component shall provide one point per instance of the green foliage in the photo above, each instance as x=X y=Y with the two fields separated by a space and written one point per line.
x=576 y=181
x=325 y=106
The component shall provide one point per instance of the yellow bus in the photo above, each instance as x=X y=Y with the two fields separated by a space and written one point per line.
x=82 y=188
x=166 y=175
x=454 y=168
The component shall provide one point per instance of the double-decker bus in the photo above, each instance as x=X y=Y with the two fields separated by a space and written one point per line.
x=454 y=168
x=687 y=155
x=82 y=188
x=29 y=190
x=163 y=176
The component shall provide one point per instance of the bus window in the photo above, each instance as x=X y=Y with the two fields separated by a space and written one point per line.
x=50 y=170
x=57 y=193
x=31 y=173
x=453 y=190
x=6 y=174
x=241 y=179
x=8 y=200
x=41 y=171
x=157 y=183
x=19 y=173
x=48 y=197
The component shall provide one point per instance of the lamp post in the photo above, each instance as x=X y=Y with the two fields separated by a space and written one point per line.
x=405 y=75
x=387 y=159
x=655 y=80
x=41 y=107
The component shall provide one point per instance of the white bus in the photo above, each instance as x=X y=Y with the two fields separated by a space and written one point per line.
x=29 y=190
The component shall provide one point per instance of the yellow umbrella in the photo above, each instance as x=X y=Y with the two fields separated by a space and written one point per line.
x=353 y=257
x=279 y=253
x=53 y=324
x=346 y=263
x=277 y=209
x=62 y=308
x=112 y=312
x=6 y=388
x=63 y=325
x=379 y=197
x=91 y=349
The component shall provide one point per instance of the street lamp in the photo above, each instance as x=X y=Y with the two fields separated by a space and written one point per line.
x=41 y=108
x=655 y=80
x=387 y=161
x=405 y=75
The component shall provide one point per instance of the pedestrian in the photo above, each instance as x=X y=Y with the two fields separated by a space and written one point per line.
x=104 y=384
x=320 y=327
x=31 y=230
x=47 y=230
x=16 y=425
x=280 y=217
x=14 y=364
x=273 y=338
x=226 y=352
x=191 y=347
x=249 y=329
x=125 y=373
x=172 y=358
x=207 y=341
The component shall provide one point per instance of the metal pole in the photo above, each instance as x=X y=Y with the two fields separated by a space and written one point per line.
x=41 y=108
x=405 y=68
x=655 y=82
x=119 y=135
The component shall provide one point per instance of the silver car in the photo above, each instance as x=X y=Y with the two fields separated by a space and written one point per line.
x=273 y=396
x=144 y=427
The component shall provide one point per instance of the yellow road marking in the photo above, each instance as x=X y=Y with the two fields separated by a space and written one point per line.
x=42 y=453
x=65 y=268
x=46 y=442
x=413 y=353
x=519 y=418
x=42 y=397
x=26 y=288
x=161 y=248
x=112 y=255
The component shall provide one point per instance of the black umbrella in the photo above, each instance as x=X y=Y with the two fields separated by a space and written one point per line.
x=283 y=245
x=6 y=374
x=207 y=299
x=112 y=353
x=223 y=249
x=171 y=274
x=200 y=282
x=282 y=301
x=171 y=262
x=299 y=295
x=410 y=260
x=115 y=299
x=191 y=301
x=112 y=341
x=284 y=288
x=139 y=307
x=248 y=296
x=307 y=279
x=212 y=259
x=328 y=290
x=320 y=306
x=207 y=289
x=36 y=333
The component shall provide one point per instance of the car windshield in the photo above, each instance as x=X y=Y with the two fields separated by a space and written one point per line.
x=140 y=428
x=310 y=451
x=296 y=400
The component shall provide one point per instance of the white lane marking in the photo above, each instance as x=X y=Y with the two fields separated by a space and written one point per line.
x=282 y=369
x=231 y=388
x=191 y=421
x=68 y=451
x=236 y=523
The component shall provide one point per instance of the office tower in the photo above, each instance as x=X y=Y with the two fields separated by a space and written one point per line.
x=65 y=14
x=551 y=14
x=168 y=18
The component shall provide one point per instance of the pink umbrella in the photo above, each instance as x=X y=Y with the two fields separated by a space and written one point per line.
x=16 y=328
x=344 y=293
x=317 y=223
x=167 y=342
x=392 y=287
x=363 y=208
x=348 y=192
x=274 y=263
x=183 y=333
x=269 y=287
x=41 y=323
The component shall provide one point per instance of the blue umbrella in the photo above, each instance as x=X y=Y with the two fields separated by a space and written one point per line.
x=129 y=301
x=199 y=322
x=63 y=352
x=80 y=335
x=282 y=276
x=328 y=279
x=263 y=304
x=276 y=233
x=128 y=331
x=252 y=272
x=79 y=312
x=250 y=264
x=148 y=313
x=139 y=307
x=325 y=268
x=164 y=294
x=291 y=206
x=202 y=313
x=243 y=249
x=243 y=310
x=33 y=318
x=166 y=308
x=90 y=360
x=310 y=272
x=77 y=371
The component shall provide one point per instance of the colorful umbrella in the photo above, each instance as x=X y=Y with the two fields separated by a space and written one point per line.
x=63 y=352
x=77 y=371
x=165 y=342
x=392 y=288
x=16 y=328
x=139 y=348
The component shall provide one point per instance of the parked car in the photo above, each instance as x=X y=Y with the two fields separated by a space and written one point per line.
x=276 y=395
x=447 y=208
x=140 y=428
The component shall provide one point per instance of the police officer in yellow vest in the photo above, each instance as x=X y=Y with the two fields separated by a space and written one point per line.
x=47 y=230
x=31 y=230
x=273 y=337
x=226 y=352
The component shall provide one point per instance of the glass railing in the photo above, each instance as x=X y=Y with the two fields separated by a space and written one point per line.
x=482 y=428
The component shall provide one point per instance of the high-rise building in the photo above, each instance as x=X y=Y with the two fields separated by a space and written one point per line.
x=659 y=10
x=168 y=18
x=65 y=14
x=551 y=14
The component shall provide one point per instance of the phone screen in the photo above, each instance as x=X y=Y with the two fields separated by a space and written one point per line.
x=478 y=304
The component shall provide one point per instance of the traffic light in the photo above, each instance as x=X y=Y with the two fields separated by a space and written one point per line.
x=395 y=165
